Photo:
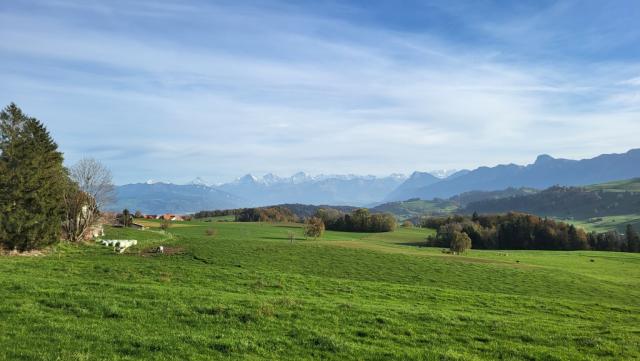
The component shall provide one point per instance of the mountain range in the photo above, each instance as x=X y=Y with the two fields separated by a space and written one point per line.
x=354 y=190
x=251 y=191
x=546 y=171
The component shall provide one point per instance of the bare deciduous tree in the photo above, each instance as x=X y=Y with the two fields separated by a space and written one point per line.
x=94 y=179
x=90 y=190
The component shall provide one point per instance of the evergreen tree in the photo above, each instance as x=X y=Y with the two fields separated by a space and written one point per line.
x=32 y=182
x=633 y=239
x=126 y=218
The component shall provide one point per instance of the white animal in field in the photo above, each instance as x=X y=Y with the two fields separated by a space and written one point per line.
x=160 y=249
x=119 y=245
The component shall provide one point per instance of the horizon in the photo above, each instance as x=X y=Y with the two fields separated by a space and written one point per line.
x=177 y=90
x=438 y=173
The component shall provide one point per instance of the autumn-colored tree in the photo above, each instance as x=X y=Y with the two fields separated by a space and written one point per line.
x=314 y=227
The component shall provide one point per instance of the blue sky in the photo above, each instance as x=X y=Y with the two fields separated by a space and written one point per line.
x=172 y=90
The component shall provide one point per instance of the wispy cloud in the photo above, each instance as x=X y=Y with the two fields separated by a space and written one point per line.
x=175 y=90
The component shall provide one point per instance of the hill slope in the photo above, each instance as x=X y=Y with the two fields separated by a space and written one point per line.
x=406 y=190
x=247 y=293
x=591 y=204
x=419 y=207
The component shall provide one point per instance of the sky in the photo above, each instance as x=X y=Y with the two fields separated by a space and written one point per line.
x=174 y=90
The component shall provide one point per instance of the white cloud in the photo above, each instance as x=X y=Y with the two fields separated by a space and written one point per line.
x=259 y=90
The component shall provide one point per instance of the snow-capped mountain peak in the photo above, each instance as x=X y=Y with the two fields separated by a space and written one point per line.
x=442 y=173
x=199 y=182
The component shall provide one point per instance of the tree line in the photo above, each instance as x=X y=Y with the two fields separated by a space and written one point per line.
x=41 y=201
x=360 y=220
x=216 y=213
x=527 y=232
x=266 y=214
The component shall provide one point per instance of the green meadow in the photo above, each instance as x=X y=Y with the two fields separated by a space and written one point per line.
x=607 y=223
x=248 y=293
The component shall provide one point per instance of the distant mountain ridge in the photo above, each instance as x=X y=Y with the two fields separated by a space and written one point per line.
x=355 y=190
x=408 y=189
x=251 y=191
x=302 y=188
x=545 y=172
x=158 y=197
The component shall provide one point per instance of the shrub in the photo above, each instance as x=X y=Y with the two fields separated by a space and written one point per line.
x=165 y=224
x=314 y=227
x=460 y=242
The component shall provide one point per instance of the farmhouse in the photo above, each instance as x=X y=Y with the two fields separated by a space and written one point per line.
x=171 y=217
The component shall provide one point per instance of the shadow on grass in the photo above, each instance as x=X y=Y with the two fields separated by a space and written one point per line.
x=414 y=244
x=288 y=226
x=281 y=238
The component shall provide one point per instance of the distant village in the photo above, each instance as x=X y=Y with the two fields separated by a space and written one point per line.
x=126 y=219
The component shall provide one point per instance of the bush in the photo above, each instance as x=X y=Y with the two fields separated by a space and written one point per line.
x=407 y=224
x=314 y=227
x=460 y=242
x=165 y=224
x=211 y=232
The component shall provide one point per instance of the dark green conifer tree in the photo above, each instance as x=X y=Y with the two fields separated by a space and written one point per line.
x=633 y=239
x=32 y=182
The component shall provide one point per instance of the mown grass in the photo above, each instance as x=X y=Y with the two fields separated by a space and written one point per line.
x=247 y=293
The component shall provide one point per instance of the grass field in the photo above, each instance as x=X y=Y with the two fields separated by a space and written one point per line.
x=627 y=185
x=247 y=293
x=607 y=223
x=415 y=208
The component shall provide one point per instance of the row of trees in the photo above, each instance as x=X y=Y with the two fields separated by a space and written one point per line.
x=40 y=200
x=360 y=220
x=525 y=231
x=216 y=213
x=265 y=214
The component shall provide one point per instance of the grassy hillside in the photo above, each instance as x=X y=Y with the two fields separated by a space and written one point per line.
x=247 y=293
x=416 y=207
x=599 y=207
x=603 y=224
x=628 y=185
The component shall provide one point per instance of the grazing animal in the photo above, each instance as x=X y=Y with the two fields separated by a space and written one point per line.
x=119 y=245
x=160 y=249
